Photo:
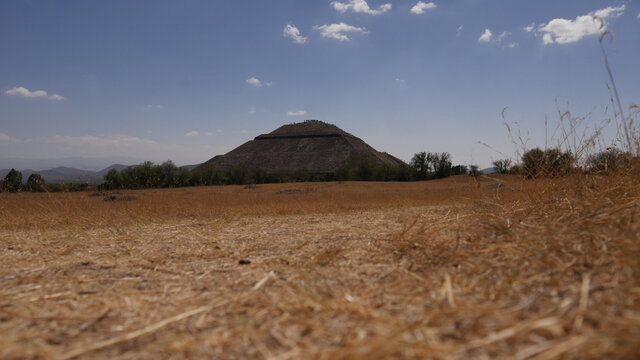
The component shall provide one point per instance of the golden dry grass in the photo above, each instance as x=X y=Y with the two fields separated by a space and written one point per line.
x=443 y=269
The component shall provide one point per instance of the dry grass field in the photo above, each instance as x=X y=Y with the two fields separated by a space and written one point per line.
x=442 y=269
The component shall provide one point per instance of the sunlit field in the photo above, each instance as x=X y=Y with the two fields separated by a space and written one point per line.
x=452 y=268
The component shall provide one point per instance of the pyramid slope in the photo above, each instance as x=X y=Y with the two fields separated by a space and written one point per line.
x=311 y=146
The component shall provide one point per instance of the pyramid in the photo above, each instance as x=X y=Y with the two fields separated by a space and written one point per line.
x=312 y=147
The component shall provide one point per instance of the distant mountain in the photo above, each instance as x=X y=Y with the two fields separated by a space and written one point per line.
x=189 y=167
x=118 y=167
x=81 y=163
x=63 y=174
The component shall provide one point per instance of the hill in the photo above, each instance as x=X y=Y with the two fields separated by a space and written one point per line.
x=63 y=174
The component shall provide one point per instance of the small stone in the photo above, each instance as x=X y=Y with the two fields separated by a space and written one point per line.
x=244 y=262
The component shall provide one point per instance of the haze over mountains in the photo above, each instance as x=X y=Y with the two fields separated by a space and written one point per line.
x=68 y=170
x=78 y=162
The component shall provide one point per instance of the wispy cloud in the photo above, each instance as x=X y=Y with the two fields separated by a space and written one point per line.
x=252 y=111
x=486 y=36
x=7 y=138
x=360 y=6
x=103 y=140
x=297 y=113
x=109 y=145
x=336 y=31
x=26 y=93
x=566 y=31
x=421 y=6
x=155 y=106
x=294 y=34
x=192 y=133
x=257 y=83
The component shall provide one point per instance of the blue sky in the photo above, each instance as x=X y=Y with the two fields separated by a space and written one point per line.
x=187 y=80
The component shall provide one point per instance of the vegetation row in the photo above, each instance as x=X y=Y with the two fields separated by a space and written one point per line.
x=534 y=163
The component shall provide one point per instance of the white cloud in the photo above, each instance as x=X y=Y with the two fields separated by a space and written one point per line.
x=486 y=36
x=257 y=83
x=400 y=81
x=460 y=28
x=335 y=31
x=502 y=36
x=565 y=31
x=191 y=133
x=114 y=145
x=512 y=45
x=7 y=138
x=529 y=28
x=294 y=34
x=421 y=6
x=26 y=93
x=152 y=106
x=114 y=140
x=360 y=6
x=297 y=113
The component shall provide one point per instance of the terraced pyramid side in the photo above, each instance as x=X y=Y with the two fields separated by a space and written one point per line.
x=312 y=147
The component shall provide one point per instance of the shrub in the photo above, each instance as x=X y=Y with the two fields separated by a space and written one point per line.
x=546 y=163
x=612 y=159
x=35 y=183
x=12 y=181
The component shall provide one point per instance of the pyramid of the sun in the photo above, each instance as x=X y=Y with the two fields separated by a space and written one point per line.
x=311 y=146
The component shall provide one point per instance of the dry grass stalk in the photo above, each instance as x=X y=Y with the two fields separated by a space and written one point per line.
x=134 y=334
x=438 y=269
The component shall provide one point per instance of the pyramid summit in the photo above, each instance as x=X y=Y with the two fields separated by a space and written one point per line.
x=312 y=147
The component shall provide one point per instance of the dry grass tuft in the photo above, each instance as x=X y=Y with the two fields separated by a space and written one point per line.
x=539 y=269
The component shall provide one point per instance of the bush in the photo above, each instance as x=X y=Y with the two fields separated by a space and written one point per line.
x=35 y=183
x=611 y=159
x=12 y=181
x=546 y=163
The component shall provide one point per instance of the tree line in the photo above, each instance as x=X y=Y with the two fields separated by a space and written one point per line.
x=554 y=162
x=423 y=166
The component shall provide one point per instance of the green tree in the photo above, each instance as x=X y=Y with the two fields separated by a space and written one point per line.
x=35 y=183
x=502 y=166
x=459 y=170
x=12 y=181
x=441 y=164
x=420 y=165
x=167 y=174
x=114 y=179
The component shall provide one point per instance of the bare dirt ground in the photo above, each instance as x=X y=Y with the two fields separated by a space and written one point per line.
x=440 y=269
